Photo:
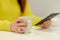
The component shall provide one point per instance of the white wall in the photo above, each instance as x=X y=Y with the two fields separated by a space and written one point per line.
x=44 y=7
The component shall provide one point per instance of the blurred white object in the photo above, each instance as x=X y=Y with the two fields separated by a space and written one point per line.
x=56 y=23
x=28 y=20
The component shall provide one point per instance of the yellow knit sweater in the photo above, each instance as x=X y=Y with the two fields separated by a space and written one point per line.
x=10 y=11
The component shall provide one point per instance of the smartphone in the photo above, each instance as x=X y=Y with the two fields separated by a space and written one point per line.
x=47 y=18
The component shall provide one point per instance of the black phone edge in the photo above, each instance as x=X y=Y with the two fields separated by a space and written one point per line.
x=40 y=22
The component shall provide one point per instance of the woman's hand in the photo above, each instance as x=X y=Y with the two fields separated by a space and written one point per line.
x=18 y=26
x=46 y=24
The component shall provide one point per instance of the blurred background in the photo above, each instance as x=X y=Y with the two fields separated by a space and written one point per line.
x=43 y=8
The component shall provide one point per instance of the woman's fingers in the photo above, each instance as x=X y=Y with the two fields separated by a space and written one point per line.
x=46 y=24
x=18 y=27
x=21 y=25
x=19 y=20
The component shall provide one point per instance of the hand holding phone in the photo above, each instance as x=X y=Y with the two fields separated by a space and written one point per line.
x=47 y=18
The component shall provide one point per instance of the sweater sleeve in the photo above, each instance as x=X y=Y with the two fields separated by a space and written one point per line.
x=4 y=25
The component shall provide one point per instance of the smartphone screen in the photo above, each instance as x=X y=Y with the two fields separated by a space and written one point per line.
x=47 y=18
